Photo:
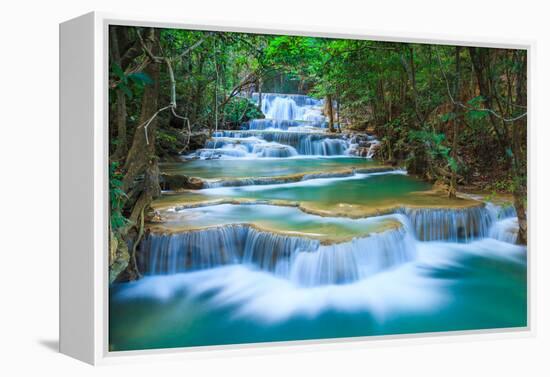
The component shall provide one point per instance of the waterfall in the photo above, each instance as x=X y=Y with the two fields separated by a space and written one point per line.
x=212 y=247
x=274 y=252
x=303 y=261
x=456 y=225
x=354 y=260
x=306 y=261
x=253 y=143
x=294 y=125
x=198 y=249
x=273 y=150
x=505 y=230
x=291 y=107
x=270 y=124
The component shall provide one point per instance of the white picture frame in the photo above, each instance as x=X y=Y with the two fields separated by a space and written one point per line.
x=84 y=191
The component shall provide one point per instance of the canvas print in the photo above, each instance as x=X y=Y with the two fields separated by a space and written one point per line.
x=270 y=188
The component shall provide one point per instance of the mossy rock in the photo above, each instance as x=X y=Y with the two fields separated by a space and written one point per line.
x=119 y=256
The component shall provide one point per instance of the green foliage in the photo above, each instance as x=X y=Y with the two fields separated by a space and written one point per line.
x=434 y=142
x=240 y=110
x=448 y=117
x=131 y=82
x=169 y=141
x=435 y=147
x=117 y=198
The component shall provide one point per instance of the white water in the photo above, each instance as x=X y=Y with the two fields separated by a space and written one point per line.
x=292 y=107
x=294 y=125
x=269 y=298
x=304 y=261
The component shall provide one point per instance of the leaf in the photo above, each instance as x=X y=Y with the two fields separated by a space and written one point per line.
x=476 y=101
x=140 y=78
x=477 y=114
x=117 y=70
x=453 y=165
x=126 y=90
x=447 y=117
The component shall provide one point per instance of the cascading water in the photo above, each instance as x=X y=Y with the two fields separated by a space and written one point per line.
x=292 y=107
x=437 y=266
x=307 y=262
x=459 y=225
x=304 y=261
x=294 y=125
x=352 y=261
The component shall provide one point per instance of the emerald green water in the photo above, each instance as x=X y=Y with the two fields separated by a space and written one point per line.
x=288 y=220
x=360 y=189
x=263 y=167
x=481 y=285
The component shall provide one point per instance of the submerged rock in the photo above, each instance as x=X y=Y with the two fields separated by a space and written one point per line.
x=176 y=182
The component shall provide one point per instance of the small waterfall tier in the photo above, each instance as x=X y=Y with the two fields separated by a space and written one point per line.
x=284 y=125
x=456 y=225
x=275 y=144
x=304 y=261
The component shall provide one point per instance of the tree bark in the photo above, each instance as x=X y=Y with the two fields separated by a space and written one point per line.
x=120 y=108
x=509 y=138
x=141 y=161
x=330 y=112
x=260 y=93
x=143 y=146
x=519 y=137
x=454 y=150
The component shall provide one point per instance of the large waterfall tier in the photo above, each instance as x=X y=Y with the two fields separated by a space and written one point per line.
x=446 y=287
x=302 y=260
x=309 y=250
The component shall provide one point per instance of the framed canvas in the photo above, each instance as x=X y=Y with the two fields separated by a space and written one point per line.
x=227 y=187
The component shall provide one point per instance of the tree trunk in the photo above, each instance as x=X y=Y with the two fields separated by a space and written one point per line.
x=509 y=138
x=519 y=137
x=260 y=93
x=120 y=108
x=330 y=112
x=338 y=116
x=143 y=146
x=141 y=160
x=410 y=70
x=456 y=110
